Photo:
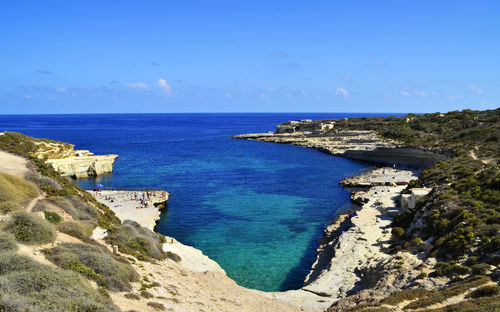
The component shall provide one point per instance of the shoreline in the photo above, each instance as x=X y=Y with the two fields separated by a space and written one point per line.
x=343 y=253
x=128 y=205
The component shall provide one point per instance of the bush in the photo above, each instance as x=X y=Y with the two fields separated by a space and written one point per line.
x=15 y=192
x=451 y=291
x=31 y=229
x=135 y=240
x=485 y=291
x=403 y=295
x=157 y=306
x=9 y=206
x=398 y=232
x=7 y=242
x=95 y=263
x=77 y=209
x=480 y=268
x=52 y=217
x=27 y=285
x=173 y=256
x=450 y=269
x=79 y=230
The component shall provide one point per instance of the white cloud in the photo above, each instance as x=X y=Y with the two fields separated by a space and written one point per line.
x=475 y=88
x=342 y=91
x=420 y=93
x=137 y=85
x=454 y=97
x=405 y=93
x=162 y=83
x=61 y=90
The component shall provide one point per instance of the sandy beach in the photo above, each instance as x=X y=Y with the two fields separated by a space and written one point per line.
x=127 y=205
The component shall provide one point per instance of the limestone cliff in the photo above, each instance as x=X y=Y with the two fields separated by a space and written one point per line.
x=74 y=163
x=354 y=144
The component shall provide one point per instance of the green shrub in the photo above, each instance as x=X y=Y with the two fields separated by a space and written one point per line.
x=450 y=269
x=27 y=285
x=76 y=209
x=52 y=217
x=94 y=262
x=407 y=294
x=480 y=268
x=485 y=291
x=398 y=232
x=135 y=240
x=7 y=242
x=451 y=291
x=30 y=229
x=81 y=230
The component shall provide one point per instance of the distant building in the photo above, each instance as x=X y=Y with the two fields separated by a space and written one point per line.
x=410 y=200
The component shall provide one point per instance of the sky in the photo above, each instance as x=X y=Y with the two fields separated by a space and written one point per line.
x=248 y=56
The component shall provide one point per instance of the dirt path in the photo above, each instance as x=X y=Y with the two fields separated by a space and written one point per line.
x=13 y=164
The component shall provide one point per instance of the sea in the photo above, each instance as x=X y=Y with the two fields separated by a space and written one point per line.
x=258 y=209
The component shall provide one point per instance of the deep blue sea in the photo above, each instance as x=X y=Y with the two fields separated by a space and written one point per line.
x=256 y=208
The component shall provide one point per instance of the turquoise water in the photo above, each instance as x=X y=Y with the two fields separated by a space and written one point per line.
x=256 y=208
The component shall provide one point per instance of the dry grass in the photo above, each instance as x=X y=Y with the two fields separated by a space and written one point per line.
x=7 y=242
x=80 y=230
x=135 y=240
x=15 y=192
x=27 y=285
x=94 y=262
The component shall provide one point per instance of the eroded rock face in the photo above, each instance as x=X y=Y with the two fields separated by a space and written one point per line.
x=74 y=163
x=82 y=167
x=360 y=145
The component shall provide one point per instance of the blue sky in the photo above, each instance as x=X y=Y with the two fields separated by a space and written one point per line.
x=248 y=56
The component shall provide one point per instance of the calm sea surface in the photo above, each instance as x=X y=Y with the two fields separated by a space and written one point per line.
x=256 y=208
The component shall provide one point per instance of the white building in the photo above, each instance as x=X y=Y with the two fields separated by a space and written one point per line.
x=410 y=200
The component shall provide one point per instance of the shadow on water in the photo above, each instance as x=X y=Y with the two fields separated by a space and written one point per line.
x=297 y=275
x=295 y=278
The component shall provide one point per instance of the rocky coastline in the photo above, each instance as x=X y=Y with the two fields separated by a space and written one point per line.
x=67 y=161
x=354 y=144
x=352 y=258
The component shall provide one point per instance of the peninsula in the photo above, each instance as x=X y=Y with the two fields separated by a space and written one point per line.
x=421 y=239
x=416 y=243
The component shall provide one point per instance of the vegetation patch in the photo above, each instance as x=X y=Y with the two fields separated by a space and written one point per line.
x=52 y=217
x=76 y=209
x=27 y=285
x=485 y=291
x=490 y=304
x=80 y=230
x=403 y=295
x=15 y=192
x=451 y=291
x=30 y=229
x=156 y=305
x=133 y=239
x=94 y=262
x=7 y=242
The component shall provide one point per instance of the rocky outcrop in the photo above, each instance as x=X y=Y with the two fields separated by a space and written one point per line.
x=83 y=166
x=74 y=163
x=359 y=145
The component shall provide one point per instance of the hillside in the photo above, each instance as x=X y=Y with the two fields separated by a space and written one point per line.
x=456 y=225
